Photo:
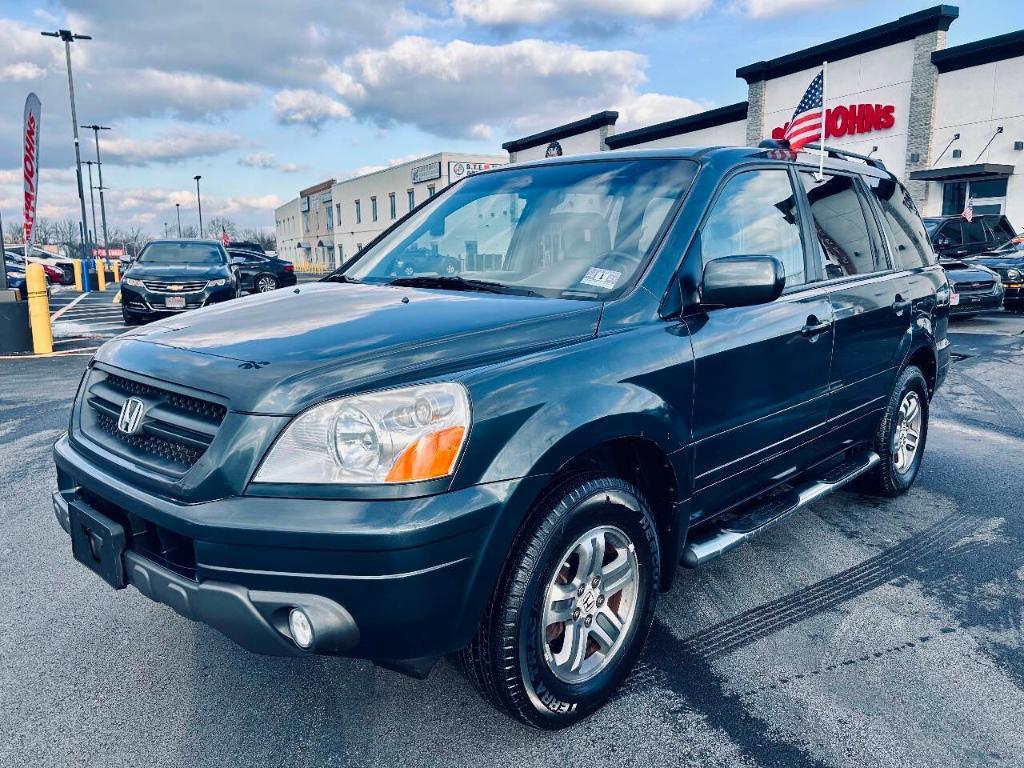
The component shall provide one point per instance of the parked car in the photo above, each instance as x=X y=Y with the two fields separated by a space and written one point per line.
x=953 y=237
x=176 y=276
x=261 y=273
x=54 y=274
x=47 y=259
x=974 y=287
x=414 y=261
x=245 y=245
x=16 y=278
x=678 y=349
x=1008 y=261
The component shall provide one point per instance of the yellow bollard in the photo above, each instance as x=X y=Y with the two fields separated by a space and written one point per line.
x=117 y=270
x=76 y=264
x=39 y=309
x=101 y=275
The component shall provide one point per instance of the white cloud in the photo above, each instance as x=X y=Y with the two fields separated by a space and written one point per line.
x=467 y=89
x=21 y=70
x=169 y=148
x=500 y=13
x=151 y=92
x=365 y=169
x=267 y=161
x=306 y=107
x=649 y=108
x=762 y=9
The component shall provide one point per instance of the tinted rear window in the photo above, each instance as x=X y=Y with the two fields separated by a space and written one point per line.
x=907 y=235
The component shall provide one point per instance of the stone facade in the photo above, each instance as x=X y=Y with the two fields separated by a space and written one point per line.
x=921 y=122
x=755 y=112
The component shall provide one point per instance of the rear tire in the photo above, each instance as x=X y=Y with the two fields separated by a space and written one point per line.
x=265 y=283
x=901 y=435
x=570 y=614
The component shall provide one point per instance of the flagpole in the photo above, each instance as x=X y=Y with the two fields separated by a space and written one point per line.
x=824 y=125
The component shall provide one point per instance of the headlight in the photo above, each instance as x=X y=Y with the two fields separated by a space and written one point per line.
x=1013 y=274
x=218 y=282
x=394 y=436
x=135 y=282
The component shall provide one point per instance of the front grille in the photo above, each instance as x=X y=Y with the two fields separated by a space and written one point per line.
x=175 y=431
x=169 y=286
x=976 y=286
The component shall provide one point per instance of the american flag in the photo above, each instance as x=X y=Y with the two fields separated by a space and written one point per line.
x=224 y=237
x=805 y=126
x=968 y=213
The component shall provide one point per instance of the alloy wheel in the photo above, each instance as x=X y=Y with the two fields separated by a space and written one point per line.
x=589 y=604
x=265 y=284
x=907 y=432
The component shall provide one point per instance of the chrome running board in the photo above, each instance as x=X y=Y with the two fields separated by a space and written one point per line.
x=724 y=536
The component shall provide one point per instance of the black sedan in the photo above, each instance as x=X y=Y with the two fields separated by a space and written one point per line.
x=261 y=273
x=1008 y=262
x=176 y=276
x=975 y=288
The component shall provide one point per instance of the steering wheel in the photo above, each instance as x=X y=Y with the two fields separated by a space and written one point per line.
x=619 y=261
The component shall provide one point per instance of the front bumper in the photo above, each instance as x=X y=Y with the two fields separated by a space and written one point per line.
x=972 y=303
x=141 y=301
x=412 y=576
x=1013 y=296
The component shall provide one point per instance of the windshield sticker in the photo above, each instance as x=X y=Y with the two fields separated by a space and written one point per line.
x=601 y=278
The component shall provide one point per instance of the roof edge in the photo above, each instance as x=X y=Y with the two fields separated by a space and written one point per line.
x=939 y=17
x=980 y=52
x=709 y=119
x=596 y=120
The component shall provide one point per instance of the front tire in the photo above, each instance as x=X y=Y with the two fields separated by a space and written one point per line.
x=900 y=437
x=573 y=608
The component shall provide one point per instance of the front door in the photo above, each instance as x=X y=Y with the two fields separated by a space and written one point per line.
x=871 y=301
x=761 y=372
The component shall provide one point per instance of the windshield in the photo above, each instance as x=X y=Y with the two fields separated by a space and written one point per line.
x=181 y=253
x=931 y=225
x=1010 y=246
x=575 y=230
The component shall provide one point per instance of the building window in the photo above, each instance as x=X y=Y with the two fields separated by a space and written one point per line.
x=337 y=217
x=412 y=198
x=330 y=217
x=359 y=212
x=431 y=189
x=373 y=208
x=305 y=221
x=986 y=196
x=393 y=207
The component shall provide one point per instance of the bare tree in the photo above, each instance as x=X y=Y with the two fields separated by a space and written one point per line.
x=220 y=224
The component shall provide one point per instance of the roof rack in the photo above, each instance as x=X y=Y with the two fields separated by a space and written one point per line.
x=842 y=154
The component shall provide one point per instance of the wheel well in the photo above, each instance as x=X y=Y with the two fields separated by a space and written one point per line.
x=924 y=359
x=645 y=465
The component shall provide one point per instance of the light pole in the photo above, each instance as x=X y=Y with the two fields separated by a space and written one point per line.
x=99 y=168
x=68 y=37
x=177 y=208
x=92 y=201
x=199 y=203
x=167 y=231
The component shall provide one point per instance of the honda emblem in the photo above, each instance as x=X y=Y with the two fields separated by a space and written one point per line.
x=130 y=419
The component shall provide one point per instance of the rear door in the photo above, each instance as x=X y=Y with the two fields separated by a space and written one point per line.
x=760 y=372
x=870 y=300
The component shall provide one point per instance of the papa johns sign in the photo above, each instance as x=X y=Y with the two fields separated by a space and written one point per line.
x=854 y=118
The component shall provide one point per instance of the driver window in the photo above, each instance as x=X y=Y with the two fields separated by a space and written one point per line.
x=756 y=215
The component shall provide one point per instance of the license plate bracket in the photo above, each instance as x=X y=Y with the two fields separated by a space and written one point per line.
x=174 y=302
x=98 y=543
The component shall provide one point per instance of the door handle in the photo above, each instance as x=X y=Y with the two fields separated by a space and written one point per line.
x=815 y=327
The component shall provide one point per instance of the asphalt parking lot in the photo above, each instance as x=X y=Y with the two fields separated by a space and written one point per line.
x=860 y=632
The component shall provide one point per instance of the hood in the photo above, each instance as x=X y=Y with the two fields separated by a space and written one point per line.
x=996 y=260
x=961 y=272
x=177 y=271
x=279 y=352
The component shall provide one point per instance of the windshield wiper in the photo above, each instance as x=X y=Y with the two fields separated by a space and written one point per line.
x=459 y=283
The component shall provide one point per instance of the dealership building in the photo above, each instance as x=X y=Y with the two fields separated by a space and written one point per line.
x=948 y=121
x=332 y=221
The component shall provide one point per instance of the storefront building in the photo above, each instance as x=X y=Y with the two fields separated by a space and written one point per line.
x=947 y=121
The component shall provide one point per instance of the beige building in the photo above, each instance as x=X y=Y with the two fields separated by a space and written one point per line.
x=331 y=221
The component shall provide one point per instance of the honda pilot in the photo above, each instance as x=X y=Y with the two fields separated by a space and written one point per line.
x=642 y=360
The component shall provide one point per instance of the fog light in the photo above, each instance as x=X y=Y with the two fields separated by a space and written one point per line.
x=301 y=629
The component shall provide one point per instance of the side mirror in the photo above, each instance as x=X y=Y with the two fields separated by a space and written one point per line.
x=742 y=281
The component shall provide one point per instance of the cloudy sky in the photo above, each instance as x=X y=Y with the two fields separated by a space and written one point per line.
x=265 y=97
